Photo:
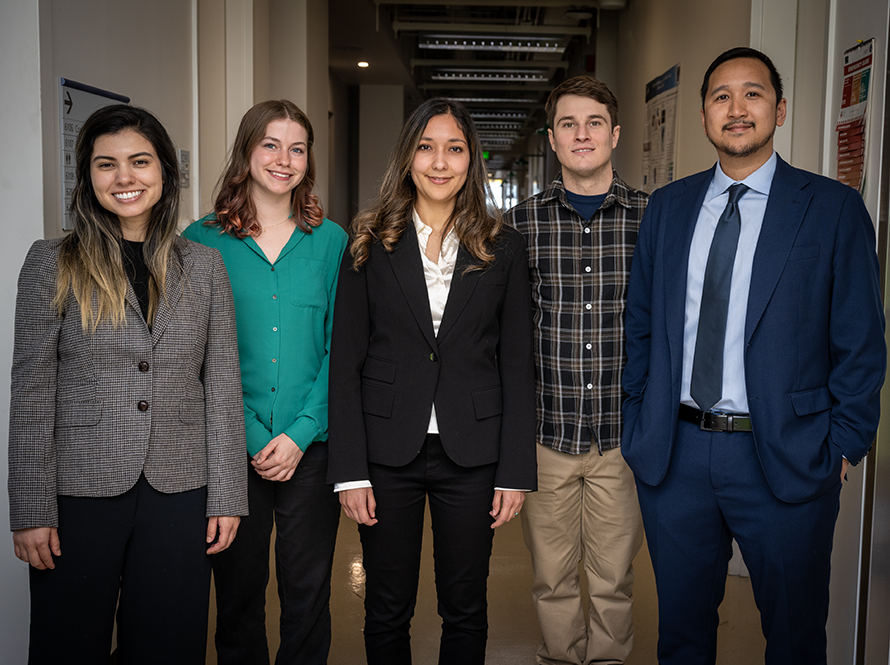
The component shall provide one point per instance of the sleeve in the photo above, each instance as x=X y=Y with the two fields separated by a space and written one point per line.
x=348 y=449
x=638 y=320
x=858 y=349
x=517 y=466
x=223 y=402
x=32 y=454
x=312 y=422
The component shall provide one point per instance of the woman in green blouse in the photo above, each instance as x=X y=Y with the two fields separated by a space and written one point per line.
x=282 y=257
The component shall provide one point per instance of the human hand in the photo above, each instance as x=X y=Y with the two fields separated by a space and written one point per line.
x=278 y=460
x=360 y=505
x=223 y=529
x=505 y=506
x=37 y=545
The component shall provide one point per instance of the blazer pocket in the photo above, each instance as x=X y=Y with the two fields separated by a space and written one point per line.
x=191 y=411
x=488 y=402
x=78 y=413
x=802 y=252
x=379 y=369
x=807 y=402
x=377 y=400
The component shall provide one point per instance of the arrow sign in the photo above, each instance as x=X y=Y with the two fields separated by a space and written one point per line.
x=68 y=103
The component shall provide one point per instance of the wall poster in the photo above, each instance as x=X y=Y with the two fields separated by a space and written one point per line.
x=659 y=139
x=852 y=121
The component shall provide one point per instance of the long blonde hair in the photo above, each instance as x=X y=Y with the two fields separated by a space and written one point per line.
x=90 y=258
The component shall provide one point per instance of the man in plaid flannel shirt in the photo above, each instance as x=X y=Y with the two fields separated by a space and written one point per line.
x=581 y=232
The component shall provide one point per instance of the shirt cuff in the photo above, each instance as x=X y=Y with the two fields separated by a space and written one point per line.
x=509 y=489
x=351 y=485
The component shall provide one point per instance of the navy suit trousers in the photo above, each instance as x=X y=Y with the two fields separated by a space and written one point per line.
x=714 y=491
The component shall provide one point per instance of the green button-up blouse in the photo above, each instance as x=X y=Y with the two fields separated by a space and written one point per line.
x=283 y=313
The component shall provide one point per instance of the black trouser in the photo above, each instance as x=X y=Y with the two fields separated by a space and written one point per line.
x=306 y=513
x=145 y=546
x=460 y=501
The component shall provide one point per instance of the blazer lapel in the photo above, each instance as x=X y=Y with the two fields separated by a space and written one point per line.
x=785 y=210
x=682 y=216
x=462 y=287
x=174 y=290
x=408 y=268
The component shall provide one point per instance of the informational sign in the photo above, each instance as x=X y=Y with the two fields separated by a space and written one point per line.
x=660 y=137
x=76 y=102
x=852 y=121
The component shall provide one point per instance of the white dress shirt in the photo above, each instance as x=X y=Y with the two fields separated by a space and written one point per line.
x=752 y=207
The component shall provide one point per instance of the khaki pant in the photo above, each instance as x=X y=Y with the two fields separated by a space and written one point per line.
x=586 y=505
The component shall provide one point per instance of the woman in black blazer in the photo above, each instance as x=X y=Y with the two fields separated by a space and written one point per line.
x=432 y=384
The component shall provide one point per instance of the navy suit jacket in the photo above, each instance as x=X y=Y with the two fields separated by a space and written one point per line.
x=814 y=332
x=388 y=367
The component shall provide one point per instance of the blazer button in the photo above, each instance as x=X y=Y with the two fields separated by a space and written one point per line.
x=143 y=366
x=433 y=357
x=142 y=406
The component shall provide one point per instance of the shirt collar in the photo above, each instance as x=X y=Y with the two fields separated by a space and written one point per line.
x=760 y=181
x=618 y=192
x=449 y=242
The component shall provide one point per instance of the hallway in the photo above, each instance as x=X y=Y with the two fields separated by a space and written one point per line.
x=513 y=626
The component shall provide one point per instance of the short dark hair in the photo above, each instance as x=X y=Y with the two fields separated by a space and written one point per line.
x=735 y=54
x=583 y=86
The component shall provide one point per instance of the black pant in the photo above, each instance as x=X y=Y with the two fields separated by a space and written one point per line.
x=147 y=547
x=306 y=513
x=460 y=501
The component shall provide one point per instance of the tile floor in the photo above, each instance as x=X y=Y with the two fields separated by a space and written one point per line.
x=513 y=632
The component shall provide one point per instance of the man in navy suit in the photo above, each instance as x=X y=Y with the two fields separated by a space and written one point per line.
x=756 y=355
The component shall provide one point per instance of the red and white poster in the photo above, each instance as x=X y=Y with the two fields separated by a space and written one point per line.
x=852 y=119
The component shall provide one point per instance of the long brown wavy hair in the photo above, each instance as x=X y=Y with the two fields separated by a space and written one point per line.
x=234 y=207
x=90 y=258
x=476 y=224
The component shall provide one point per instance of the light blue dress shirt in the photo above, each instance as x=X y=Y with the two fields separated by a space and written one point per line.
x=752 y=207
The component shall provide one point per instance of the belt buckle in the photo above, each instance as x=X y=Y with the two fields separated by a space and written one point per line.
x=712 y=421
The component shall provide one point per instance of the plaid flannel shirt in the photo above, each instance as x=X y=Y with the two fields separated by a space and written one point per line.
x=579 y=275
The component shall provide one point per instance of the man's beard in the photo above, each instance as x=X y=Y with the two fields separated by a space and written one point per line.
x=743 y=150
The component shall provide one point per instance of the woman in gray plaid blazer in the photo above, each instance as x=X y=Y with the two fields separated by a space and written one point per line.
x=126 y=426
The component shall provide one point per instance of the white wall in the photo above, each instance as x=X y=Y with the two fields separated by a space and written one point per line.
x=21 y=190
x=121 y=47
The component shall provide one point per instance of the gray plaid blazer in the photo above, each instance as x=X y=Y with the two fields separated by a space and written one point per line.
x=90 y=412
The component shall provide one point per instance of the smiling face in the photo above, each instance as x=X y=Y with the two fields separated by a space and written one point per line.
x=126 y=175
x=441 y=163
x=740 y=113
x=583 y=139
x=279 y=161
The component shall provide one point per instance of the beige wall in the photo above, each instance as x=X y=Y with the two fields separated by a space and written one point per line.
x=653 y=36
x=381 y=113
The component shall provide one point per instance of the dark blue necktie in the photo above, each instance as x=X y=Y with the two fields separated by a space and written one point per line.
x=707 y=366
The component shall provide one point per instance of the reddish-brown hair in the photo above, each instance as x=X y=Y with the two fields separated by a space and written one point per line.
x=235 y=210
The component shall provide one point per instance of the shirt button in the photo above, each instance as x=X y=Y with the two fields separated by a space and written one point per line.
x=274 y=297
x=143 y=366
x=273 y=390
x=273 y=268
x=142 y=406
x=274 y=329
x=274 y=360
x=587 y=229
x=590 y=386
x=588 y=306
x=587 y=269
x=588 y=346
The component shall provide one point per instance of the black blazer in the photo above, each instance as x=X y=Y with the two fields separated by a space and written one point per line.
x=388 y=368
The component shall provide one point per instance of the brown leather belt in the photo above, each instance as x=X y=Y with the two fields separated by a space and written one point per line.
x=714 y=421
